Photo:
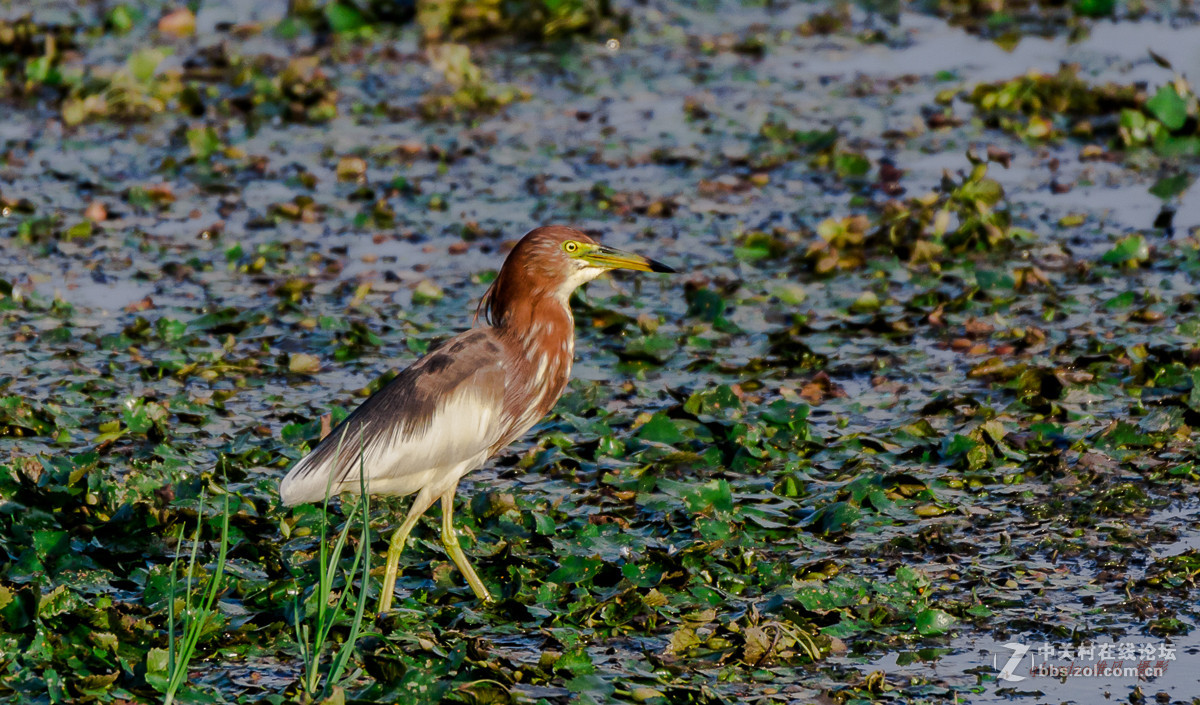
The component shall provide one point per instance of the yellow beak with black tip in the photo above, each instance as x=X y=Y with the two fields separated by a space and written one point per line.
x=612 y=258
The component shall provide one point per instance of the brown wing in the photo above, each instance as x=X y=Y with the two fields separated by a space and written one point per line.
x=443 y=411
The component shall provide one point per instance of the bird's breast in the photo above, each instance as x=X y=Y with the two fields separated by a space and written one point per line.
x=538 y=335
x=535 y=378
x=539 y=388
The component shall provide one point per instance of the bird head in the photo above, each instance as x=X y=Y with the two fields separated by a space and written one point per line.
x=552 y=261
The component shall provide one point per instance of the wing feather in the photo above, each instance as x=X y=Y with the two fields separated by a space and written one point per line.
x=441 y=413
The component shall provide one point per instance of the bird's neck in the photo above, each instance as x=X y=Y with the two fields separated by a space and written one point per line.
x=540 y=325
x=539 y=336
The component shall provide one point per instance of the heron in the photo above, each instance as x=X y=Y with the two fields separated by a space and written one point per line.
x=465 y=401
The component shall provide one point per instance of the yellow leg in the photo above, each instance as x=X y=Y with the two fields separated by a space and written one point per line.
x=396 y=547
x=450 y=541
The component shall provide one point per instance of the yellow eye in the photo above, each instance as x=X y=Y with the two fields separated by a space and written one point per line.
x=570 y=247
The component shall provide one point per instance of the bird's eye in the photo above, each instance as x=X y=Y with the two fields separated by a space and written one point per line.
x=570 y=247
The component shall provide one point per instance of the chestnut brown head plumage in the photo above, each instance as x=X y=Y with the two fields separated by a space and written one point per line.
x=462 y=403
x=547 y=265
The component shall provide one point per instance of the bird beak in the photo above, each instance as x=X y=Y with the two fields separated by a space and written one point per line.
x=612 y=258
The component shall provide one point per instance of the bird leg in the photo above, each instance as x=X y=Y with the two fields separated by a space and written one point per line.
x=422 y=502
x=450 y=541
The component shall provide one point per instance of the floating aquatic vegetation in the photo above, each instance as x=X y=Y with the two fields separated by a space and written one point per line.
x=469 y=92
x=460 y=20
x=1041 y=107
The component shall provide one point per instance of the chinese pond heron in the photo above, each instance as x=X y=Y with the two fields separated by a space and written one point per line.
x=462 y=403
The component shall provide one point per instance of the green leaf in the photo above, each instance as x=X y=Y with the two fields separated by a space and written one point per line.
x=544 y=524
x=816 y=140
x=788 y=414
x=866 y=302
x=718 y=495
x=79 y=231
x=42 y=69
x=720 y=402
x=851 y=164
x=1133 y=248
x=834 y=518
x=48 y=543
x=643 y=576
x=1169 y=107
x=980 y=611
x=1126 y=435
x=122 y=18
x=170 y=330
x=957 y=445
x=655 y=348
x=157 y=664
x=660 y=429
x=142 y=64
x=711 y=529
x=753 y=253
x=1095 y=8
x=108 y=436
x=1175 y=146
x=790 y=293
x=705 y=304
x=1121 y=301
x=203 y=142
x=426 y=292
x=933 y=621
x=344 y=18
x=575 y=569
x=591 y=689
x=1169 y=187
x=577 y=661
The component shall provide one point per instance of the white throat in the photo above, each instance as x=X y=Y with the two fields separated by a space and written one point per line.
x=582 y=275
